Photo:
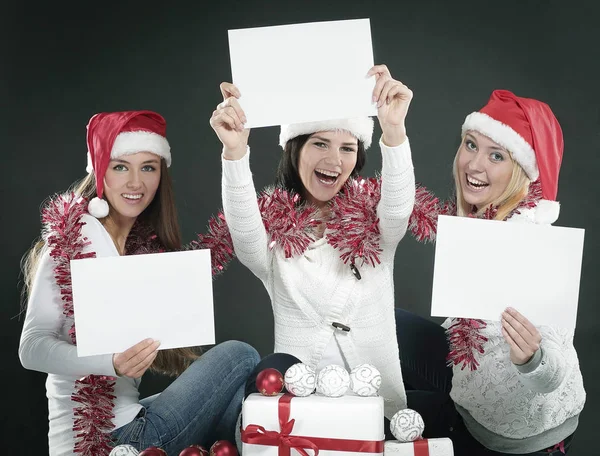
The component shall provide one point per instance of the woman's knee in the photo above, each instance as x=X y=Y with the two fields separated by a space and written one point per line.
x=239 y=353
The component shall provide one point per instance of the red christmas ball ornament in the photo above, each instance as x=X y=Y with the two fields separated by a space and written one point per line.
x=269 y=382
x=223 y=448
x=194 y=450
x=153 y=451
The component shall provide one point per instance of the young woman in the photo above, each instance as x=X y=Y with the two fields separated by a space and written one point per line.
x=513 y=388
x=94 y=401
x=332 y=302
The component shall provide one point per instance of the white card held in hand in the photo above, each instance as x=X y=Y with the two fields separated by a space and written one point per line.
x=119 y=301
x=483 y=266
x=303 y=72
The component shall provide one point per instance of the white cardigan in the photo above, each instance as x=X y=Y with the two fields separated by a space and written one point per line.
x=311 y=291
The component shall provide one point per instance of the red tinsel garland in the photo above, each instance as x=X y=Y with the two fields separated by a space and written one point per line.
x=93 y=418
x=291 y=227
x=465 y=340
x=218 y=240
x=423 y=220
x=354 y=225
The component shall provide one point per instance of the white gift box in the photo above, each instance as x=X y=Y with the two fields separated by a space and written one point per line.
x=424 y=447
x=350 y=425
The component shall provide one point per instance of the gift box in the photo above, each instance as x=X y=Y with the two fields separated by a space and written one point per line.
x=286 y=425
x=422 y=447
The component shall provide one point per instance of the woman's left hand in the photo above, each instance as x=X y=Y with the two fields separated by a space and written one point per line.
x=393 y=99
x=524 y=338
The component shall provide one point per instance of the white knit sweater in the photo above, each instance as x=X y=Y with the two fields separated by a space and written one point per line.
x=311 y=291
x=527 y=404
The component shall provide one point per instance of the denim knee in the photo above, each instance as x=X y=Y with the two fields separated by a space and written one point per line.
x=240 y=352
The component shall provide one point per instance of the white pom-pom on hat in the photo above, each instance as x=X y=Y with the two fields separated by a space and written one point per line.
x=98 y=207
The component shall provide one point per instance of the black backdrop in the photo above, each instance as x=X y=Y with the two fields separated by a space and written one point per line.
x=62 y=64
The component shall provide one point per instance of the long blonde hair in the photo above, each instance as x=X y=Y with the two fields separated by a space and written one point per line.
x=513 y=194
x=161 y=215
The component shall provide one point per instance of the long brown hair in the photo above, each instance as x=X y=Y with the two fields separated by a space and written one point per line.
x=511 y=197
x=161 y=217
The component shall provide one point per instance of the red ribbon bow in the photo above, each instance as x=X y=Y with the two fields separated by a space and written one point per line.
x=258 y=435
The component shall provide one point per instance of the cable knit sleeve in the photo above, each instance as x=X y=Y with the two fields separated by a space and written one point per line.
x=548 y=367
x=243 y=217
x=397 y=194
x=43 y=346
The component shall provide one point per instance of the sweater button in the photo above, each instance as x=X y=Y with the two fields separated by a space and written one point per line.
x=354 y=270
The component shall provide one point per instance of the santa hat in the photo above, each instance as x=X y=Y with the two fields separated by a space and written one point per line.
x=528 y=129
x=114 y=134
x=360 y=127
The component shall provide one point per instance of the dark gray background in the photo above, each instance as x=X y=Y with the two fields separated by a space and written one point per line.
x=63 y=64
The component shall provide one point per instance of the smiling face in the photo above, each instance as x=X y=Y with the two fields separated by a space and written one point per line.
x=131 y=181
x=484 y=169
x=325 y=162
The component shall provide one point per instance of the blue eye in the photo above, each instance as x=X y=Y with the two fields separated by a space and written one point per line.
x=497 y=156
x=120 y=167
x=148 y=168
x=470 y=145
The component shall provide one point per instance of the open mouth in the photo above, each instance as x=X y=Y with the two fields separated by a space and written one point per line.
x=327 y=177
x=475 y=183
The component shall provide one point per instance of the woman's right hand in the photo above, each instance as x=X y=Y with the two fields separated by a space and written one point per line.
x=228 y=123
x=134 y=361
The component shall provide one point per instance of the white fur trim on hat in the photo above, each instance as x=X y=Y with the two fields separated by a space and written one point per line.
x=132 y=142
x=508 y=138
x=360 y=127
x=98 y=207
x=544 y=213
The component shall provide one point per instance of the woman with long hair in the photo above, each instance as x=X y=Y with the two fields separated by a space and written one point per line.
x=123 y=206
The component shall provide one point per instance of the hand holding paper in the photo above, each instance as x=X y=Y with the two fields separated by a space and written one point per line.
x=228 y=121
x=393 y=99
x=134 y=361
x=524 y=338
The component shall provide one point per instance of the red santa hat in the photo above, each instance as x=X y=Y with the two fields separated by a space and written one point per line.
x=528 y=129
x=360 y=127
x=114 y=134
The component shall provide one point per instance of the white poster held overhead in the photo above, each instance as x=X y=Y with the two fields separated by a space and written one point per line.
x=484 y=266
x=120 y=301
x=303 y=72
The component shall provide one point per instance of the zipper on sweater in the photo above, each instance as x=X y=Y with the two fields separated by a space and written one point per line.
x=354 y=270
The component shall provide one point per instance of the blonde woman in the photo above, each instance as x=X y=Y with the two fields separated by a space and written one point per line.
x=512 y=388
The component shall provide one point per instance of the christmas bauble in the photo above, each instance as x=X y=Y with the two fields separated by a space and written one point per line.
x=300 y=379
x=269 y=382
x=153 y=451
x=223 y=448
x=194 y=450
x=365 y=380
x=407 y=425
x=333 y=381
x=124 y=450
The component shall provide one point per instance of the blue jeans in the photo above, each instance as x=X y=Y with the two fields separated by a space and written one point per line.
x=427 y=378
x=199 y=407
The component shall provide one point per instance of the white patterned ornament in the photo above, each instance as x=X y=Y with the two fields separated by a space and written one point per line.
x=407 y=425
x=300 y=379
x=365 y=380
x=124 y=450
x=333 y=381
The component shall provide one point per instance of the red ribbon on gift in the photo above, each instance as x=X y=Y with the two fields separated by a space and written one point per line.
x=258 y=435
x=421 y=447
